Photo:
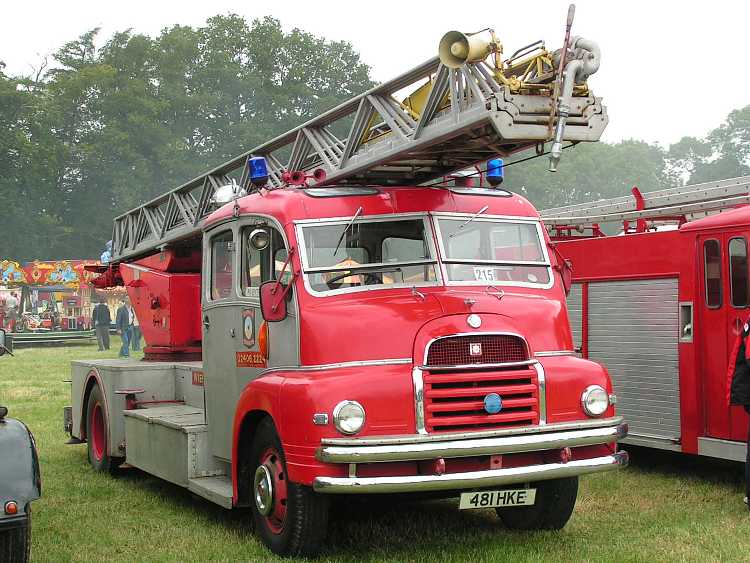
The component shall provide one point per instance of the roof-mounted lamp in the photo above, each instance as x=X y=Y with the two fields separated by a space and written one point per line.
x=495 y=171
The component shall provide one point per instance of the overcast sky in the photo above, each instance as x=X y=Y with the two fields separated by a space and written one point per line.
x=669 y=68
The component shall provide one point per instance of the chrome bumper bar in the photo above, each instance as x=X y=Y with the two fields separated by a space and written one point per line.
x=493 y=445
x=469 y=480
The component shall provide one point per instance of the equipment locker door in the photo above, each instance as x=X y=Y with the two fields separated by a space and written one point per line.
x=723 y=305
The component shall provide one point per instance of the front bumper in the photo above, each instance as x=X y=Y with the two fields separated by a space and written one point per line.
x=511 y=441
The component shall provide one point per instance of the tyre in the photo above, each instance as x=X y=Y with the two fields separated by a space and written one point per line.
x=97 y=426
x=555 y=500
x=290 y=518
x=15 y=544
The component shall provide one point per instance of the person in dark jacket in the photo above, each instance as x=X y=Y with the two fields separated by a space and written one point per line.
x=124 y=323
x=739 y=388
x=101 y=318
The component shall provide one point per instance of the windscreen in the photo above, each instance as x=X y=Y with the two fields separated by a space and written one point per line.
x=486 y=250
x=360 y=253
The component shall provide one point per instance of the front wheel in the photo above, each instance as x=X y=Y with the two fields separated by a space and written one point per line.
x=553 y=507
x=290 y=518
x=15 y=544
x=97 y=431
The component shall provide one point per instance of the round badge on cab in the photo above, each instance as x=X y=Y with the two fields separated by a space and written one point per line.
x=474 y=321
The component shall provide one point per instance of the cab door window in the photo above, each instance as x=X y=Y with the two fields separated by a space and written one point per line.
x=738 y=272
x=222 y=265
x=712 y=270
x=264 y=256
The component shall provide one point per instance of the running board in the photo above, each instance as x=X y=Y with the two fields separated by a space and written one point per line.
x=216 y=489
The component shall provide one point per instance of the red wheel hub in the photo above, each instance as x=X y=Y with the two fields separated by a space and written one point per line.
x=98 y=437
x=270 y=490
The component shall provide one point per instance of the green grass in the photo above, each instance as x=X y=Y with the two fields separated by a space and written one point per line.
x=663 y=508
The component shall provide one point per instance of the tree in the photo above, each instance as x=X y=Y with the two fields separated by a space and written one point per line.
x=108 y=129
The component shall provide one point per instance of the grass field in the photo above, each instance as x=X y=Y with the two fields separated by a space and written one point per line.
x=663 y=508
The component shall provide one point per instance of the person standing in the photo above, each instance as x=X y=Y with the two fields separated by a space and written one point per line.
x=124 y=328
x=135 y=330
x=102 y=320
x=12 y=304
x=739 y=388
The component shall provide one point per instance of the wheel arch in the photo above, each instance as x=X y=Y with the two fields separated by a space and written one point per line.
x=245 y=433
x=92 y=379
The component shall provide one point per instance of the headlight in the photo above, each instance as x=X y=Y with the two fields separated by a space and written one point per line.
x=595 y=400
x=349 y=417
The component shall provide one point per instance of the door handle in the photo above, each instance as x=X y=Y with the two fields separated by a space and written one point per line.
x=206 y=322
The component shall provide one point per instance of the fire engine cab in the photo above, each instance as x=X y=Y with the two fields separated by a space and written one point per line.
x=354 y=322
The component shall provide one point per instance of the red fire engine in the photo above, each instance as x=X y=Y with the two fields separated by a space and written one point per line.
x=660 y=304
x=349 y=323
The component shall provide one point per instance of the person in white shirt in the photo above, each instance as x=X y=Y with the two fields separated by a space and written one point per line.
x=135 y=328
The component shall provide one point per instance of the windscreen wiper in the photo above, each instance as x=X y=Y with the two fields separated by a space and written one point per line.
x=469 y=220
x=348 y=226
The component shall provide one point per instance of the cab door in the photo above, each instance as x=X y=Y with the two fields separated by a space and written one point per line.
x=724 y=302
x=221 y=322
x=238 y=345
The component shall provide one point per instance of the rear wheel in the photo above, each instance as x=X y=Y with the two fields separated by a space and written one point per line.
x=97 y=431
x=553 y=507
x=290 y=518
x=15 y=544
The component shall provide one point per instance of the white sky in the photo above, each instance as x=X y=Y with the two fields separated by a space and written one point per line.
x=669 y=68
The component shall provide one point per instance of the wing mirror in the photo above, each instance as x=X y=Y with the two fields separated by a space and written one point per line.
x=273 y=301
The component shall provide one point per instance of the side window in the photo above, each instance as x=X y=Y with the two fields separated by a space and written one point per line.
x=738 y=273
x=264 y=257
x=222 y=251
x=712 y=268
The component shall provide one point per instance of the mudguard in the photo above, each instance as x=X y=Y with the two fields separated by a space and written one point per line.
x=20 y=480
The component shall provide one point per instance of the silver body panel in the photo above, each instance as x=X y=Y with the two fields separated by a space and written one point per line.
x=633 y=331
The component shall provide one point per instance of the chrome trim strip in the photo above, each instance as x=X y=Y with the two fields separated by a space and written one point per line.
x=470 y=367
x=478 y=447
x=469 y=480
x=542 y=393
x=551 y=353
x=523 y=431
x=340 y=365
x=416 y=376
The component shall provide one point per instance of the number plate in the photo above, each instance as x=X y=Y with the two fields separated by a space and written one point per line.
x=496 y=499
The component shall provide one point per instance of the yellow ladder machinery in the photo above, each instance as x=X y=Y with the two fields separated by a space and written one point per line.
x=465 y=106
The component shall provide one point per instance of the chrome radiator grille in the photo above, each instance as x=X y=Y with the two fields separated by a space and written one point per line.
x=461 y=398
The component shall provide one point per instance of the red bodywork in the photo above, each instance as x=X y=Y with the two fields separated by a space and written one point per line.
x=678 y=253
x=372 y=325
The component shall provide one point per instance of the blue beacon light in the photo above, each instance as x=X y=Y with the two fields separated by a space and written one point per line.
x=495 y=171
x=258 y=170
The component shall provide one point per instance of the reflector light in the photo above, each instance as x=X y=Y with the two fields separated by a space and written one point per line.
x=258 y=170
x=11 y=508
x=495 y=172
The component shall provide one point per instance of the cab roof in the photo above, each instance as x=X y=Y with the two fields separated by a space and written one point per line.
x=737 y=217
x=294 y=204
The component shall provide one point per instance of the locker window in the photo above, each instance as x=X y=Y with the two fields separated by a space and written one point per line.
x=712 y=269
x=738 y=274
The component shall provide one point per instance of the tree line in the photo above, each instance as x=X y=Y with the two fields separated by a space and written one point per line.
x=100 y=130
